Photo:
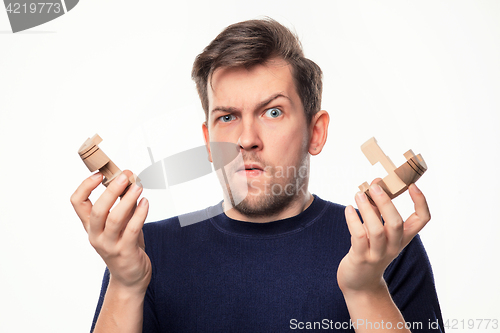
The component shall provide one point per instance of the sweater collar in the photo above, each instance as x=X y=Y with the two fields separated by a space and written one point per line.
x=274 y=228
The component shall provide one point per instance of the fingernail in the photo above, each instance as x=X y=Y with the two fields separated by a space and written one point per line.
x=376 y=189
x=122 y=179
x=143 y=202
x=350 y=210
x=416 y=188
x=96 y=176
x=136 y=187
x=361 y=196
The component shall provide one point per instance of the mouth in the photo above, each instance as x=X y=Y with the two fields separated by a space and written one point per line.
x=251 y=169
x=251 y=166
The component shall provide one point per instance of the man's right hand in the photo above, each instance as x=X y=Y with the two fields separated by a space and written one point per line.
x=117 y=234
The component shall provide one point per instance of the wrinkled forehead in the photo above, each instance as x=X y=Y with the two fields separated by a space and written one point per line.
x=234 y=84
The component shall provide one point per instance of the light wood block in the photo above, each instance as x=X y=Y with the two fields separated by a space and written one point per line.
x=94 y=158
x=398 y=179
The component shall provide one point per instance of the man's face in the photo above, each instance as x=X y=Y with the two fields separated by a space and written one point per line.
x=259 y=110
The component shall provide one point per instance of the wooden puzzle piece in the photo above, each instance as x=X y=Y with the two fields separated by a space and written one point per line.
x=94 y=158
x=398 y=179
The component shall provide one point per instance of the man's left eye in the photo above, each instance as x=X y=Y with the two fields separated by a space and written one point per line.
x=274 y=113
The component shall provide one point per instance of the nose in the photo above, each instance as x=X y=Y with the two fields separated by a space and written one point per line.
x=250 y=139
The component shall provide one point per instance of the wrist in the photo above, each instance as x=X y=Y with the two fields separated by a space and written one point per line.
x=137 y=290
x=376 y=290
x=122 y=309
x=373 y=305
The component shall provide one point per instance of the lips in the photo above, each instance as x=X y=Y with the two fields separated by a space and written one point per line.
x=252 y=166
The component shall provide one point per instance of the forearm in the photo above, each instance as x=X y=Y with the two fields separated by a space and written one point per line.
x=122 y=310
x=374 y=311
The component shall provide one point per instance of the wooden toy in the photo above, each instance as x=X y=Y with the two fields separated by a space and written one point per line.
x=398 y=179
x=94 y=158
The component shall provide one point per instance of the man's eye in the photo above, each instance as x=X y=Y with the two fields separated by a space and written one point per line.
x=227 y=118
x=274 y=113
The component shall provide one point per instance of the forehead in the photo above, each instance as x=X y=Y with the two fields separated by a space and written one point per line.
x=243 y=86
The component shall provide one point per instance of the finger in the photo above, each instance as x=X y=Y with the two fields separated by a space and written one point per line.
x=80 y=198
x=419 y=218
x=393 y=223
x=121 y=214
x=133 y=232
x=371 y=219
x=359 y=235
x=102 y=206
x=375 y=181
x=376 y=211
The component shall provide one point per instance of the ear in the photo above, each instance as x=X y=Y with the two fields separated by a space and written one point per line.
x=206 y=137
x=319 y=132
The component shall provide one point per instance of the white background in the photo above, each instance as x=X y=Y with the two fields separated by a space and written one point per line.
x=421 y=75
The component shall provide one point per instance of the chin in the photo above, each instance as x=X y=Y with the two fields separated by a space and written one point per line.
x=264 y=205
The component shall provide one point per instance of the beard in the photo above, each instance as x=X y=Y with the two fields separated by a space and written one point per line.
x=271 y=193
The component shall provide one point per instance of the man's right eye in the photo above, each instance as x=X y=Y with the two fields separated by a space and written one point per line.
x=226 y=118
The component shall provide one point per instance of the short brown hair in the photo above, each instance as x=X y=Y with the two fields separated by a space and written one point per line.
x=254 y=42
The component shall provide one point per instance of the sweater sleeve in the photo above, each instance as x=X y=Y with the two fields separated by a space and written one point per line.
x=411 y=284
x=104 y=287
x=150 y=320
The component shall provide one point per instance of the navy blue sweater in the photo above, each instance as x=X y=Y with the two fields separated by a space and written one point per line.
x=223 y=275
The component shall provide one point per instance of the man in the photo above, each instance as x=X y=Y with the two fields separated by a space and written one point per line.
x=271 y=257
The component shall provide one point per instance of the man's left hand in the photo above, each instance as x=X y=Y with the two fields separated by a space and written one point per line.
x=375 y=244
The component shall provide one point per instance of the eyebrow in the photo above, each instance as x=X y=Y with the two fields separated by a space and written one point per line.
x=259 y=106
